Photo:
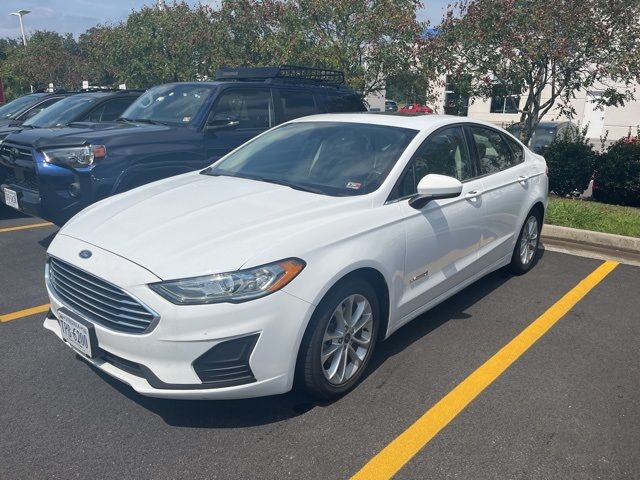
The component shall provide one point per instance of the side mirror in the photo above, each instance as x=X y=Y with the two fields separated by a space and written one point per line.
x=222 y=121
x=435 y=187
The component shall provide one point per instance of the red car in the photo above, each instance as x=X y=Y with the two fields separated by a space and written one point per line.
x=415 y=108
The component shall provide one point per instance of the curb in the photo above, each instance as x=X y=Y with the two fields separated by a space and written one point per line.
x=591 y=239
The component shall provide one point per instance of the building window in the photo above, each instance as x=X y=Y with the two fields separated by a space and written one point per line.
x=504 y=99
x=455 y=102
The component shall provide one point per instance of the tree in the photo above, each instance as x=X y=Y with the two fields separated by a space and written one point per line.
x=47 y=58
x=369 y=40
x=544 y=51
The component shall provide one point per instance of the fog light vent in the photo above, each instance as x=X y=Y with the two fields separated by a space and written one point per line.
x=227 y=364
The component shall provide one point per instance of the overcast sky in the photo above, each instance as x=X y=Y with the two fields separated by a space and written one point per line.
x=75 y=16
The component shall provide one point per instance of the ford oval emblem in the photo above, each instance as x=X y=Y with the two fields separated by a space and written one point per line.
x=85 y=253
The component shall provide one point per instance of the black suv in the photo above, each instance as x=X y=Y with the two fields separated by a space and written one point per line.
x=171 y=129
x=25 y=107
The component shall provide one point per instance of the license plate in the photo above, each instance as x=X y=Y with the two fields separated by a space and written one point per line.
x=75 y=334
x=11 y=198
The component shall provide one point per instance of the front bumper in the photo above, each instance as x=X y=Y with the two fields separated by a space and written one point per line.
x=166 y=353
x=45 y=190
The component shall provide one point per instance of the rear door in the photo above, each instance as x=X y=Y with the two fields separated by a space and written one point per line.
x=443 y=237
x=505 y=180
x=251 y=107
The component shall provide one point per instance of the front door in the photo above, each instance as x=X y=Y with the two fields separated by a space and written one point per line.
x=443 y=237
x=252 y=108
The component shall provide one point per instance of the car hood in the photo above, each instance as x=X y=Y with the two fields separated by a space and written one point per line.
x=195 y=224
x=84 y=134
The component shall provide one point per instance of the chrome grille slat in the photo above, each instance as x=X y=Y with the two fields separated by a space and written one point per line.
x=83 y=309
x=85 y=278
x=99 y=301
x=79 y=291
x=77 y=284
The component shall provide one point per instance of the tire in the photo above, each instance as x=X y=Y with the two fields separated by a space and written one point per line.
x=525 y=252
x=350 y=356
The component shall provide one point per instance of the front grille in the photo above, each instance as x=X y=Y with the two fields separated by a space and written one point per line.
x=29 y=181
x=97 y=300
x=10 y=153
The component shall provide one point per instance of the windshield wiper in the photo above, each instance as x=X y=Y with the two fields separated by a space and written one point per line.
x=148 y=120
x=295 y=186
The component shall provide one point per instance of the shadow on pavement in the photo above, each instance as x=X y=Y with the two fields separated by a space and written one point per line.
x=266 y=410
x=8 y=213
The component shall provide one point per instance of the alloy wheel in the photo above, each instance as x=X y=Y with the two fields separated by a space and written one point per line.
x=347 y=339
x=529 y=240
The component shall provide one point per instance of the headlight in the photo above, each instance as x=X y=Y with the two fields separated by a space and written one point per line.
x=75 y=156
x=233 y=287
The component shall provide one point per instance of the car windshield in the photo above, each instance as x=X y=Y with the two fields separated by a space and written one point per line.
x=14 y=108
x=542 y=137
x=330 y=158
x=63 y=112
x=173 y=104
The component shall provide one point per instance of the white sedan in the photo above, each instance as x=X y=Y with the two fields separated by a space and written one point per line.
x=288 y=260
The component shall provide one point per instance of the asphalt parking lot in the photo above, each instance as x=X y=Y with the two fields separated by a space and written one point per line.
x=569 y=407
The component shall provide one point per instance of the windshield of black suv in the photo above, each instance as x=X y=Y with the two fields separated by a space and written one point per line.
x=330 y=158
x=63 y=112
x=173 y=104
x=14 y=108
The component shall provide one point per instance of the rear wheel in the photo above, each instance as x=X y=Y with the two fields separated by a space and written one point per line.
x=526 y=249
x=340 y=340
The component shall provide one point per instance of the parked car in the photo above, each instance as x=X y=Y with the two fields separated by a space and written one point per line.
x=544 y=133
x=98 y=106
x=289 y=259
x=415 y=108
x=27 y=106
x=390 y=106
x=171 y=129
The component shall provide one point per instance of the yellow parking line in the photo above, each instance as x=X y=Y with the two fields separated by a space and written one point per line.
x=24 y=313
x=25 y=227
x=395 y=455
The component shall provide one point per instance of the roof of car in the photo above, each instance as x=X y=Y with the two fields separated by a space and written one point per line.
x=416 y=122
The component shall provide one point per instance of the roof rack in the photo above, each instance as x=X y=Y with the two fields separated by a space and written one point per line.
x=283 y=73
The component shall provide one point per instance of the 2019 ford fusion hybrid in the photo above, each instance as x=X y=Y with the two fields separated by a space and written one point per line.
x=287 y=261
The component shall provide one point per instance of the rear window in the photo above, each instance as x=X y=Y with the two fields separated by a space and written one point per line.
x=345 y=103
x=297 y=104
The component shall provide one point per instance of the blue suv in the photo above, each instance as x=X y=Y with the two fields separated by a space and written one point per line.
x=171 y=129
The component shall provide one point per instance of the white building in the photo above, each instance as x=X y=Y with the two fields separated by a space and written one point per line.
x=614 y=122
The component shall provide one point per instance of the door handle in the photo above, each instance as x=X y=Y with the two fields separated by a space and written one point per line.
x=522 y=178
x=473 y=194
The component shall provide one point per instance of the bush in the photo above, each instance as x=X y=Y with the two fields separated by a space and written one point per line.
x=617 y=178
x=570 y=161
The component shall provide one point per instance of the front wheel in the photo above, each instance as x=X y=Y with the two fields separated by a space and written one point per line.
x=341 y=339
x=526 y=249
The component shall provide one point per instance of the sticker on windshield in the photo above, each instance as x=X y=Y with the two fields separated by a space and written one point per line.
x=354 y=185
x=186 y=119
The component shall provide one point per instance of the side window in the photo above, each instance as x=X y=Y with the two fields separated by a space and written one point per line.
x=40 y=107
x=94 y=115
x=296 y=104
x=112 y=109
x=494 y=154
x=252 y=108
x=345 y=103
x=445 y=153
x=516 y=148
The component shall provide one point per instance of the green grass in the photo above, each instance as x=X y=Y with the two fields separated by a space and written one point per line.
x=599 y=217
